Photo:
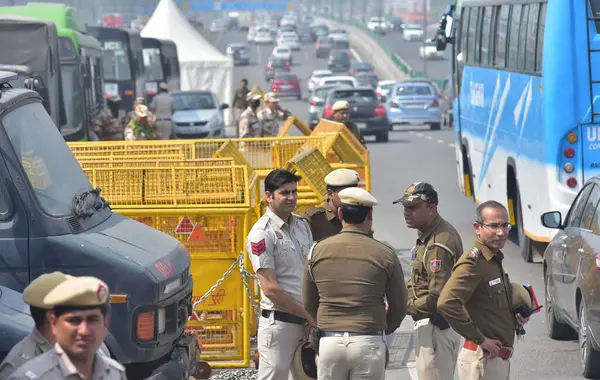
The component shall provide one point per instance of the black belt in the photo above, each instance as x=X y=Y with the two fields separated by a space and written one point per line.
x=341 y=333
x=283 y=317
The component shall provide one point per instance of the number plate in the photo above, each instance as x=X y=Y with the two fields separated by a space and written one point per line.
x=361 y=125
x=286 y=86
x=111 y=89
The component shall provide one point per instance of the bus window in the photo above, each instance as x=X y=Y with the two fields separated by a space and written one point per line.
x=532 y=25
x=152 y=62
x=97 y=67
x=71 y=86
x=116 y=61
x=515 y=22
x=501 y=34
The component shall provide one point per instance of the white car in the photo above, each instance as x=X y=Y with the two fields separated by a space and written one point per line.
x=289 y=39
x=338 y=79
x=282 y=52
x=251 y=34
x=413 y=32
x=316 y=76
x=217 y=26
x=383 y=89
x=339 y=35
x=377 y=25
x=263 y=36
x=429 y=51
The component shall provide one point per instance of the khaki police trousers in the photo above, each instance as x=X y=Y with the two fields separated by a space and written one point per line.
x=165 y=128
x=277 y=343
x=436 y=351
x=351 y=357
x=473 y=365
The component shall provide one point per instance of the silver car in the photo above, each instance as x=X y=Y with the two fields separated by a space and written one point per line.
x=198 y=114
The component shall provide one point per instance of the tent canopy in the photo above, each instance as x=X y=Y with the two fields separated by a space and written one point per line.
x=202 y=66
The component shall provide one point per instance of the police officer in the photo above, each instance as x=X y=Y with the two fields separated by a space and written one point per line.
x=436 y=250
x=41 y=338
x=239 y=102
x=324 y=221
x=341 y=114
x=163 y=108
x=278 y=245
x=476 y=300
x=79 y=323
x=346 y=279
x=249 y=125
x=271 y=115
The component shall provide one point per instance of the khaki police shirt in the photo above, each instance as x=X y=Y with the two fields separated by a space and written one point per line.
x=162 y=106
x=437 y=249
x=249 y=124
x=324 y=222
x=239 y=98
x=56 y=365
x=476 y=299
x=269 y=121
x=282 y=246
x=28 y=348
x=346 y=279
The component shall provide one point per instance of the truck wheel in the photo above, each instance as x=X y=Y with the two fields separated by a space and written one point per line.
x=435 y=126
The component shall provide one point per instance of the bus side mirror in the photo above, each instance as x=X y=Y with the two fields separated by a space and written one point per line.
x=444 y=34
x=36 y=84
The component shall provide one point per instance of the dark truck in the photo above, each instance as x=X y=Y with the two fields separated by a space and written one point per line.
x=52 y=219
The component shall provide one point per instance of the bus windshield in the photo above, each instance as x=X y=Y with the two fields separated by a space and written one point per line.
x=115 y=60
x=152 y=61
x=72 y=96
x=51 y=168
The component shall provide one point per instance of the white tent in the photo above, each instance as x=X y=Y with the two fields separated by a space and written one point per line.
x=201 y=65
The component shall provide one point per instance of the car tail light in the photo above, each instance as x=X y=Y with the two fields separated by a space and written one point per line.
x=598 y=261
x=569 y=152
x=287 y=63
x=572 y=138
x=378 y=95
x=435 y=103
x=270 y=64
x=145 y=326
x=380 y=110
x=313 y=103
x=568 y=167
x=328 y=111
x=572 y=182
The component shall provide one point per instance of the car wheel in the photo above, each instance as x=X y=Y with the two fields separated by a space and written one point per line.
x=557 y=330
x=435 y=126
x=382 y=137
x=590 y=357
x=299 y=97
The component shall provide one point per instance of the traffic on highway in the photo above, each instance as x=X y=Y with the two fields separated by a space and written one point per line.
x=306 y=209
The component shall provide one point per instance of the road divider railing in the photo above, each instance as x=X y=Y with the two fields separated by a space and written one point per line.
x=208 y=194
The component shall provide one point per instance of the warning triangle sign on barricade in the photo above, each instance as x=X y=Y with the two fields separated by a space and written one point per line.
x=197 y=234
x=194 y=317
x=185 y=226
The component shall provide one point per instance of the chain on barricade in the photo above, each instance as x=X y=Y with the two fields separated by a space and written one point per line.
x=245 y=275
x=219 y=282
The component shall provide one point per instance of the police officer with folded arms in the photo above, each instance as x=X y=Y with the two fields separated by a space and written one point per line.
x=278 y=245
x=437 y=248
x=346 y=279
x=476 y=301
x=324 y=221
x=41 y=339
x=79 y=321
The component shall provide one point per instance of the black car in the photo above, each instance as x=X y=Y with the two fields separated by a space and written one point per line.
x=324 y=46
x=276 y=65
x=367 y=79
x=360 y=67
x=366 y=110
x=339 y=61
x=319 y=31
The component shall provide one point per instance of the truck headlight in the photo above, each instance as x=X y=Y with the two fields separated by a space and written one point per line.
x=162 y=320
x=171 y=286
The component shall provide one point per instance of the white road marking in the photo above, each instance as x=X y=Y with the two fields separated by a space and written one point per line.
x=428 y=137
x=451 y=145
x=355 y=55
x=440 y=141
x=412 y=132
x=420 y=134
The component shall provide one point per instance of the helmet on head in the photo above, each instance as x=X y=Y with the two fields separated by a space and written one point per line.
x=304 y=366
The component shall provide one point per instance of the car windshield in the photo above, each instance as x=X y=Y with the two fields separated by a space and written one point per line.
x=322 y=92
x=72 y=96
x=352 y=94
x=387 y=87
x=413 y=90
x=286 y=77
x=193 y=101
x=52 y=170
x=282 y=51
x=414 y=27
x=153 y=65
x=115 y=61
x=321 y=75
x=339 y=54
x=347 y=82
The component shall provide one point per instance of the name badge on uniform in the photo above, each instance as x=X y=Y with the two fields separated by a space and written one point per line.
x=495 y=282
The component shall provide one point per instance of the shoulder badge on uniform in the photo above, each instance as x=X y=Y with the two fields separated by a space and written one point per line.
x=30 y=375
x=435 y=265
x=279 y=235
x=474 y=253
x=259 y=247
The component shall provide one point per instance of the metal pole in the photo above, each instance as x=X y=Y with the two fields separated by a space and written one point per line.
x=364 y=15
x=424 y=35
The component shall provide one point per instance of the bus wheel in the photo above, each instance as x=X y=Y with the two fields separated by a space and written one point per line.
x=525 y=243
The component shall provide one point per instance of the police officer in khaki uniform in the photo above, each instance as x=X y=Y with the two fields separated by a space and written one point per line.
x=324 y=221
x=41 y=338
x=437 y=248
x=163 y=108
x=249 y=125
x=346 y=279
x=341 y=114
x=271 y=115
x=239 y=102
x=79 y=323
x=476 y=301
x=278 y=245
